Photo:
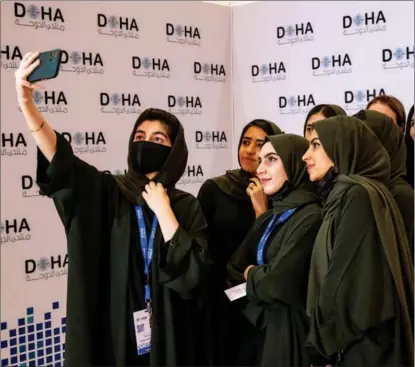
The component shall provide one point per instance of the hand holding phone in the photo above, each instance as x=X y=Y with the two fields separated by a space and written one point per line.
x=24 y=88
x=48 y=68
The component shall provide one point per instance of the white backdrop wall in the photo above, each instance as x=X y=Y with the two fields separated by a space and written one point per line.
x=114 y=68
x=319 y=52
x=120 y=58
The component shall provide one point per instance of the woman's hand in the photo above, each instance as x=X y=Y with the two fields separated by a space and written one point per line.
x=247 y=271
x=258 y=198
x=23 y=87
x=156 y=198
x=158 y=201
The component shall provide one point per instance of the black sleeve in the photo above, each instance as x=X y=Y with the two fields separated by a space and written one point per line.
x=241 y=259
x=206 y=197
x=357 y=293
x=66 y=178
x=285 y=278
x=209 y=197
x=404 y=197
x=187 y=258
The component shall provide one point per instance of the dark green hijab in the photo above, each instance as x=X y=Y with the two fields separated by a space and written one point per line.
x=328 y=110
x=392 y=139
x=297 y=191
x=132 y=183
x=353 y=148
x=360 y=159
x=235 y=182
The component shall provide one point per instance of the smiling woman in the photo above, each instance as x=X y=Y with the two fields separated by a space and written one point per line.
x=231 y=203
x=274 y=258
x=271 y=170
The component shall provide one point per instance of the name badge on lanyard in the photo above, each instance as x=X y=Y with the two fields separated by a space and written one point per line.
x=275 y=220
x=142 y=319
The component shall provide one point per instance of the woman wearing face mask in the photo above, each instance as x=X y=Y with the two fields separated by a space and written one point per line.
x=393 y=140
x=320 y=112
x=409 y=140
x=231 y=203
x=135 y=242
x=275 y=257
x=360 y=293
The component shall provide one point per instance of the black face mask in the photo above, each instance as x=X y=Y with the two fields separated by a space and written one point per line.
x=148 y=157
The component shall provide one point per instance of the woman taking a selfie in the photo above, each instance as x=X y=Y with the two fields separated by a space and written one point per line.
x=135 y=243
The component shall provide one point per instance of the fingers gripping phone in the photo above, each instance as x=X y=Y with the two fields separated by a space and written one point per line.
x=48 y=68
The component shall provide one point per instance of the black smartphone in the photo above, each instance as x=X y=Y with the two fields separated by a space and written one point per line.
x=48 y=68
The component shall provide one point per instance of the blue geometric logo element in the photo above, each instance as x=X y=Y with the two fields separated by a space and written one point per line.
x=358 y=20
x=360 y=96
x=264 y=69
x=179 y=30
x=326 y=61
x=290 y=30
x=181 y=101
x=78 y=138
x=33 y=11
x=37 y=97
x=292 y=101
x=113 y=21
x=206 y=68
x=399 y=53
x=34 y=343
x=147 y=63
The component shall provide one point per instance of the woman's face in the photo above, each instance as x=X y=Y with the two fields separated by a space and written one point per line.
x=317 y=160
x=310 y=123
x=271 y=171
x=250 y=148
x=153 y=131
x=386 y=110
x=411 y=131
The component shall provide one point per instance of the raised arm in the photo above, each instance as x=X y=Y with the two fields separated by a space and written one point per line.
x=41 y=131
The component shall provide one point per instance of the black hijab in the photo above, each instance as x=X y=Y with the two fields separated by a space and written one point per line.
x=409 y=149
x=360 y=159
x=235 y=182
x=328 y=110
x=392 y=139
x=296 y=191
x=133 y=182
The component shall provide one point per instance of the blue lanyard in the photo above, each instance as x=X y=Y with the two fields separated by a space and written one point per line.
x=146 y=246
x=275 y=220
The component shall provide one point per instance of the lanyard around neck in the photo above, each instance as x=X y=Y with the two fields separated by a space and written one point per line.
x=146 y=246
x=275 y=220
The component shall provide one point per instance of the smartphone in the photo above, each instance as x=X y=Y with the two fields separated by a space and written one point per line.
x=48 y=68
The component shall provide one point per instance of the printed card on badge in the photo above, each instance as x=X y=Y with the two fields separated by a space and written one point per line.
x=236 y=292
x=142 y=331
